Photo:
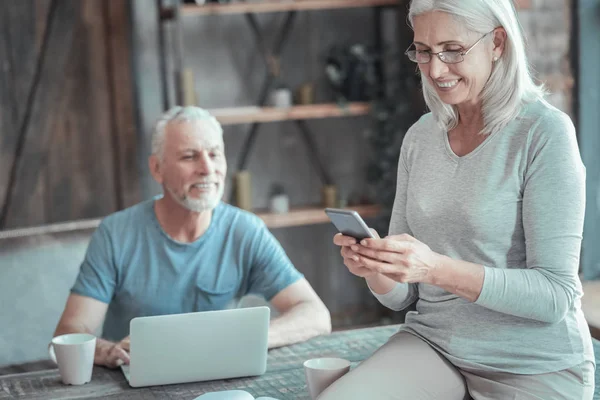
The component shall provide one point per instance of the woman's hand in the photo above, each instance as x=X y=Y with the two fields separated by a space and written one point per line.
x=350 y=257
x=399 y=257
x=379 y=283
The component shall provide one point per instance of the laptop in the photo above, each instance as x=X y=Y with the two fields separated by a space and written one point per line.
x=198 y=346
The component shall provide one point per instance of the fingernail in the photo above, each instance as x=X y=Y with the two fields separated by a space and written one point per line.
x=355 y=258
x=354 y=248
x=364 y=242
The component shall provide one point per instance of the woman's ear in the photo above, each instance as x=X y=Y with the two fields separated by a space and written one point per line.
x=499 y=42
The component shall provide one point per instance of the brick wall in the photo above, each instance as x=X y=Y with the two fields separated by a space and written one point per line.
x=547 y=27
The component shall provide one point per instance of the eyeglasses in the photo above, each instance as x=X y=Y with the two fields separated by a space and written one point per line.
x=447 y=57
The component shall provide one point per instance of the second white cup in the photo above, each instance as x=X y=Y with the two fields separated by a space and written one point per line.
x=322 y=372
x=74 y=354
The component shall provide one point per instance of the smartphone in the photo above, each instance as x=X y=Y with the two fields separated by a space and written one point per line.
x=349 y=223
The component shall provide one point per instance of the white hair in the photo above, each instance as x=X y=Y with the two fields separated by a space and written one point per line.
x=511 y=82
x=180 y=114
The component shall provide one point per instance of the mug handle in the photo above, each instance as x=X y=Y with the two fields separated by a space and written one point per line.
x=51 y=353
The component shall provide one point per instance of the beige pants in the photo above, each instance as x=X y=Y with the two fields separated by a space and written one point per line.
x=407 y=368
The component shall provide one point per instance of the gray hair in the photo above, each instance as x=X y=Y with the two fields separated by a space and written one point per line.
x=180 y=114
x=511 y=83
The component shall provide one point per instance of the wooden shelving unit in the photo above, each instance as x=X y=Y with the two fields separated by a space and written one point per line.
x=259 y=114
x=270 y=6
x=312 y=215
x=248 y=115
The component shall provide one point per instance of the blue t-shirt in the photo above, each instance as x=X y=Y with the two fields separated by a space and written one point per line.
x=135 y=267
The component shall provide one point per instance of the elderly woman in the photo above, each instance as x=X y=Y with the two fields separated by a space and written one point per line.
x=486 y=227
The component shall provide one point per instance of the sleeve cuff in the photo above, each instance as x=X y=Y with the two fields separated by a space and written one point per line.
x=272 y=292
x=394 y=297
x=84 y=293
x=493 y=281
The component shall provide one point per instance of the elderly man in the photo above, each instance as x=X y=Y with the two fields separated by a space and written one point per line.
x=185 y=251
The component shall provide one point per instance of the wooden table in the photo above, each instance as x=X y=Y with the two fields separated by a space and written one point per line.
x=284 y=378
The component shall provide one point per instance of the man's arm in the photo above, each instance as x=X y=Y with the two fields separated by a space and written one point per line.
x=85 y=315
x=303 y=315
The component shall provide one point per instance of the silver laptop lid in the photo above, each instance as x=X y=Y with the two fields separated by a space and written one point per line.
x=198 y=346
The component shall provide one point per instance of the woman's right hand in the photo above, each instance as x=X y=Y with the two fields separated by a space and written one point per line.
x=379 y=283
x=350 y=257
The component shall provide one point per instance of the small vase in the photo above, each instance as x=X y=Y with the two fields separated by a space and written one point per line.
x=279 y=204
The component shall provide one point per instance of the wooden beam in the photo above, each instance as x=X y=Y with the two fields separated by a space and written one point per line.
x=122 y=102
x=270 y=6
x=247 y=115
x=23 y=25
x=9 y=118
x=75 y=184
x=147 y=84
x=40 y=114
x=80 y=168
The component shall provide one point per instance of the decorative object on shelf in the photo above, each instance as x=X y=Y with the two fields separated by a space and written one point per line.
x=305 y=94
x=188 y=94
x=243 y=193
x=281 y=97
x=329 y=196
x=279 y=202
x=351 y=71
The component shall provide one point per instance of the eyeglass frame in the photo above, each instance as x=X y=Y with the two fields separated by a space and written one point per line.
x=462 y=53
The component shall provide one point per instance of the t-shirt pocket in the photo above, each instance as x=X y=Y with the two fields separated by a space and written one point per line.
x=216 y=290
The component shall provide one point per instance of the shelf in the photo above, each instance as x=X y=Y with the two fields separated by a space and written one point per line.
x=248 y=115
x=296 y=217
x=269 y=6
x=312 y=216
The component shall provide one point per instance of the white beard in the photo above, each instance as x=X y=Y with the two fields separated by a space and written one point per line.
x=206 y=203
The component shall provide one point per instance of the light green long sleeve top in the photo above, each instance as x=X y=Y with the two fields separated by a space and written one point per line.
x=516 y=206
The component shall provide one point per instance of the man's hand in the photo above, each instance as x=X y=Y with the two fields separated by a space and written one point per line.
x=112 y=355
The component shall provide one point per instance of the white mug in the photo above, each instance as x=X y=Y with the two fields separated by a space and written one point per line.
x=74 y=354
x=322 y=372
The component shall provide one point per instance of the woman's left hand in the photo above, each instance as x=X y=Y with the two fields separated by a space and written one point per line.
x=400 y=257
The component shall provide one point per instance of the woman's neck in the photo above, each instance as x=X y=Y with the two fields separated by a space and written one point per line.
x=470 y=119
